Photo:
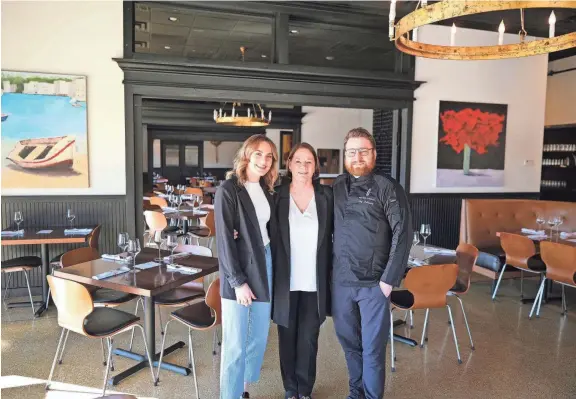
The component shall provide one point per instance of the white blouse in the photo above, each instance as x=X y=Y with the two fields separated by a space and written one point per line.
x=303 y=246
x=262 y=207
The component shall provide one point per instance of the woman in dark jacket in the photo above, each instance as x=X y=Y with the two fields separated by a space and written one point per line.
x=244 y=203
x=302 y=268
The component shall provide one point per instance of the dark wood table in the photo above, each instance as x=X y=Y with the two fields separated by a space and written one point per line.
x=147 y=284
x=57 y=236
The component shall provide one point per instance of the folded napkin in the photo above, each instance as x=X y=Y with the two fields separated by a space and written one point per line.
x=77 y=231
x=116 y=258
x=532 y=231
x=182 y=269
x=8 y=233
x=440 y=251
x=147 y=265
x=177 y=255
x=44 y=231
x=537 y=237
x=565 y=235
x=200 y=212
x=111 y=273
x=413 y=262
x=169 y=209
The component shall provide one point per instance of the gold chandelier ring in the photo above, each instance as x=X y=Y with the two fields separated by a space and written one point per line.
x=452 y=9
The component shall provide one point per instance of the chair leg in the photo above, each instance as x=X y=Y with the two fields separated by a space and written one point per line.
x=498 y=283
x=466 y=322
x=138 y=301
x=30 y=294
x=193 y=362
x=104 y=363
x=110 y=344
x=55 y=358
x=425 y=327
x=538 y=296
x=148 y=355
x=157 y=379
x=411 y=319
x=540 y=299
x=521 y=284
x=564 y=307
x=214 y=341
x=392 y=354
x=63 y=347
x=159 y=311
x=7 y=288
x=454 y=334
x=220 y=335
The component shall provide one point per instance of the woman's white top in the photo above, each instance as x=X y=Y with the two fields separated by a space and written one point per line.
x=303 y=246
x=262 y=207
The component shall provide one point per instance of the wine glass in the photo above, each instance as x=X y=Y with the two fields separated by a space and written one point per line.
x=540 y=220
x=558 y=221
x=18 y=219
x=70 y=216
x=134 y=249
x=172 y=243
x=158 y=241
x=123 y=239
x=415 y=239
x=200 y=201
x=179 y=201
x=425 y=232
x=551 y=224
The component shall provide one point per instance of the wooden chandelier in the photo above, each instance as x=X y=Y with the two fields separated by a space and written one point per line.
x=447 y=9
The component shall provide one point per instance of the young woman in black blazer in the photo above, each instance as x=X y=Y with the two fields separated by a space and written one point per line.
x=244 y=203
x=302 y=268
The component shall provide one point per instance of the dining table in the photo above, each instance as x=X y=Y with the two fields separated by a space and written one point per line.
x=147 y=279
x=45 y=236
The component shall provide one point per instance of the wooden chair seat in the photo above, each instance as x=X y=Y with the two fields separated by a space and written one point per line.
x=198 y=316
x=103 y=322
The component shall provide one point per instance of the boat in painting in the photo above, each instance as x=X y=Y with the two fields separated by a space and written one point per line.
x=4 y=117
x=44 y=153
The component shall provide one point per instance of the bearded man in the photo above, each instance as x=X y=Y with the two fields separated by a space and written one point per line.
x=372 y=240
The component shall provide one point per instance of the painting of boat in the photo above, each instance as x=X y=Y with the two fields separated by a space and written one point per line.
x=4 y=117
x=44 y=153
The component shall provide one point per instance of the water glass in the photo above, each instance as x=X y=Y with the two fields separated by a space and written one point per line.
x=123 y=239
x=172 y=243
x=416 y=239
x=158 y=241
x=134 y=249
x=540 y=220
x=18 y=219
x=70 y=216
x=425 y=232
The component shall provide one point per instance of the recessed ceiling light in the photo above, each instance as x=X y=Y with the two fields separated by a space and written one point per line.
x=264 y=56
x=173 y=19
x=293 y=31
x=167 y=47
x=330 y=58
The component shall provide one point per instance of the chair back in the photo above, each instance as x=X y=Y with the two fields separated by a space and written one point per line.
x=430 y=284
x=194 y=191
x=210 y=222
x=155 y=220
x=214 y=300
x=560 y=260
x=518 y=249
x=194 y=250
x=73 y=302
x=94 y=237
x=466 y=256
x=159 y=201
x=79 y=255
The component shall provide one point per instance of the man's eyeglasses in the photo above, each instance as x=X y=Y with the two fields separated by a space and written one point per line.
x=350 y=152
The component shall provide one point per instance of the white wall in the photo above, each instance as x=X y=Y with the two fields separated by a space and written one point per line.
x=78 y=38
x=226 y=152
x=561 y=93
x=520 y=83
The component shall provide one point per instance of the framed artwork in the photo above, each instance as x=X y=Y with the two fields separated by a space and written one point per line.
x=329 y=161
x=44 y=131
x=285 y=147
x=471 y=144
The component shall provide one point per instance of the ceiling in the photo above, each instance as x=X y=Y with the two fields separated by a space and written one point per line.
x=342 y=34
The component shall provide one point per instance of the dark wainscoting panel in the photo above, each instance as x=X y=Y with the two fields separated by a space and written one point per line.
x=442 y=213
x=109 y=211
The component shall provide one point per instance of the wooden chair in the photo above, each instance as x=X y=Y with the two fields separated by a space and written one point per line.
x=201 y=316
x=560 y=261
x=76 y=313
x=93 y=241
x=208 y=230
x=426 y=288
x=194 y=191
x=22 y=264
x=159 y=201
x=521 y=254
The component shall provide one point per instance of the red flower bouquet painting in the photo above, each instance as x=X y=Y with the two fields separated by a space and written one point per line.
x=471 y=144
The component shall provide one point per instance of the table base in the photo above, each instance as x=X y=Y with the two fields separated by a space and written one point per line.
x=400 y=338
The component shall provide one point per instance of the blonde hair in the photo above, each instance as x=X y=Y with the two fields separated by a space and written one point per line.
x=242 y=159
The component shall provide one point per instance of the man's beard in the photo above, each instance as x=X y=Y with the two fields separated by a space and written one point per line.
x=361 y=170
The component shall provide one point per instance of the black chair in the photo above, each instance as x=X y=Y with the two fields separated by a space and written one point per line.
x=21 y=264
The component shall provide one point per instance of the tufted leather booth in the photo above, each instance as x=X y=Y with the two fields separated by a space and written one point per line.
x=481 y=219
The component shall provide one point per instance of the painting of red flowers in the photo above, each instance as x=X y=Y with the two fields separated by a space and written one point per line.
x=471 y=144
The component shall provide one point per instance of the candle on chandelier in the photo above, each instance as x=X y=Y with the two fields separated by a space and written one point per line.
x=215 y=115
x=552 y=22
x=424 y=3
x=269 y=116
x=415 y=34
x=501 y=30
x=391 y=18
x=453 y=35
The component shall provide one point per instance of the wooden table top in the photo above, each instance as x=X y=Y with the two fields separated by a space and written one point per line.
x=555 y=238
x=149 y=282
x=57 y=236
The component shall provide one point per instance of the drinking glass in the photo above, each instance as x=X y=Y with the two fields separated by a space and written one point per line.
x=134 y=249
x=123 y=239
x=200 y=201
x=172 y=243
x=416 y=239
x=540 y=220
x=158 y=241
x=551 y=223
x=425 y=232
x=18 y=219
x=70 y=216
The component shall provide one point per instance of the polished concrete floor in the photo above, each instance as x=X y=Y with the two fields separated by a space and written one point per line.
x=514 y=358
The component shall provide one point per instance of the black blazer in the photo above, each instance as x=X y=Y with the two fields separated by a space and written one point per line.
x=325 y=209
x=242 y=260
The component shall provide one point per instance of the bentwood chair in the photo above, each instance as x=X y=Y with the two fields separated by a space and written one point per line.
x=521 y=254
x=201 y=316
x=76 y=312
x=207 y=229
x=426 y=288
x=194 y=191
x=560 y=260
